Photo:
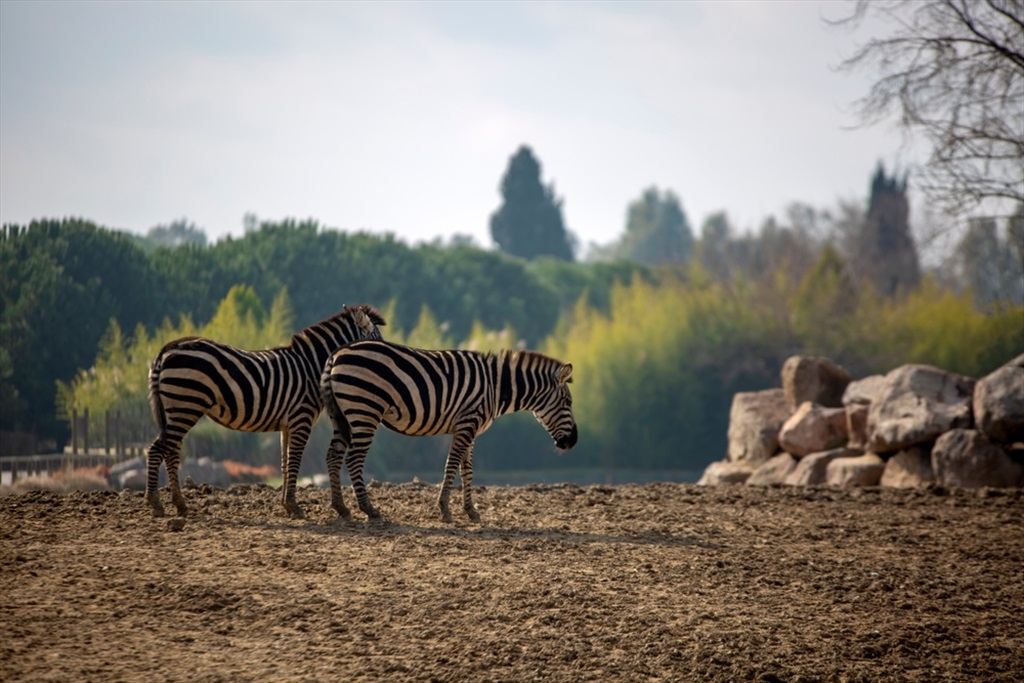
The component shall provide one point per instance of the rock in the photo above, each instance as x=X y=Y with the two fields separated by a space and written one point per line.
x=812 y=429
x=909 y=468
x=205 y=471
x=814 y=379
x=810 y=470
x=916 y=404
x=754 y=422
x=773 y=471
x=857 y=425
x=999 y=404
x=863 y=391
x=857 y=398
x=861 y=470
x=966 y=458
x=724 y=472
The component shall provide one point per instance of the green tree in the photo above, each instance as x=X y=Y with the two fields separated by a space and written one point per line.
x=657 y=230
x=62 y=281
x=713 y=251
x=991 y=267
x=175 y=234
x=529 y=222
x=884 y=252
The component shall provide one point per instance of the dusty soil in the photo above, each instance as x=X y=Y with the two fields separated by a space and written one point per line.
x=559 y=583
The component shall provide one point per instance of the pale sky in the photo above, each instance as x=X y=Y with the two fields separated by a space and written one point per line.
x=401 y=117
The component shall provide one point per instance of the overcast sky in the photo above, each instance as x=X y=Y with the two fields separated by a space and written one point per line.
x=401 y=117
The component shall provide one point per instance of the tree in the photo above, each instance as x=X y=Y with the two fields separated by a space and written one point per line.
x=529 y=222
x=713 y=249
x=60 y=284
x=883 y=252
x=657 y=230
x=952 y=70
x=175 y=234
x=989 y=266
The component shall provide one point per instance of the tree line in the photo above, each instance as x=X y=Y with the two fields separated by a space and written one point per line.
x=659 y=348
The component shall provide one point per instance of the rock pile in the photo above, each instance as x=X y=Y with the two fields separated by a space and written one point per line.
x=915 y=426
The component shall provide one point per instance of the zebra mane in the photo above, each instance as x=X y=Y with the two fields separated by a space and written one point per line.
x=514 y=356
x=346 y=312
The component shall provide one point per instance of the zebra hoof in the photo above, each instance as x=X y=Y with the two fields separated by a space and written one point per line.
x=293 y=510
x=473 y=515
x=343 y=512
x=155 y=506
x=371 y=512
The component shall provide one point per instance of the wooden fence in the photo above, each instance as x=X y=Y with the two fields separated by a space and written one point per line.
x=122 y=438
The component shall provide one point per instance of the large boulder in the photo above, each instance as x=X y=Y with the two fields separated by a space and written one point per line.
x=813 y=429
x=754 y=423
x=810 y=470
x=814 y=379
x=909 y=468
x=965 y=457
x=917 y=404
x=773 y=471
x=999 y=403
x=724 y=472
x=863 y=391
x=857 y=399
x=860 y=470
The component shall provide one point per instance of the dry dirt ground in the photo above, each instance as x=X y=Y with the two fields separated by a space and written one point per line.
x=662 y=582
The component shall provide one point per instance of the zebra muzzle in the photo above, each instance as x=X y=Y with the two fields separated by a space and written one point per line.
x=566 y=442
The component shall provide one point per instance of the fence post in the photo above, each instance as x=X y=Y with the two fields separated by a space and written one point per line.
x=85 y=431
x=118 y=441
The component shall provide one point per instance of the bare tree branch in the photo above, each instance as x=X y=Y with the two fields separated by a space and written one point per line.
x=953 y=71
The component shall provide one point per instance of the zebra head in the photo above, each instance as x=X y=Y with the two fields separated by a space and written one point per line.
x=366 y=319
x=554 y=409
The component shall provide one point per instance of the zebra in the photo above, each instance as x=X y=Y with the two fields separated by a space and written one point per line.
x=251 y=391
x=422 y=393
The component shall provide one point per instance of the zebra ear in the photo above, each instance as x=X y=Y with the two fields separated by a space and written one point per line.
x=364 y=321
x=565 y=374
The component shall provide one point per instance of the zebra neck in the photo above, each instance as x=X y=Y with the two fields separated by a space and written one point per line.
x=505 y=384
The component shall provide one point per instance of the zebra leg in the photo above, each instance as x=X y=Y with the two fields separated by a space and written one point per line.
x=462 y=441
x=335 y=457
x=284 y=472
x=293 y=443
x=155 y=456
x=362 y=437
x=171 y=462
x=466 y=471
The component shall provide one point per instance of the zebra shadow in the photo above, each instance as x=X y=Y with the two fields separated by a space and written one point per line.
x=524 y=538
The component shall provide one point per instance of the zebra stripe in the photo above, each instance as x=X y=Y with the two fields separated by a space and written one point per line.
x=251 y=391
x=422 y=393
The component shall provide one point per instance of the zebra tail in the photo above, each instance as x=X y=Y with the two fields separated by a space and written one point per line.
x=157 y=405
x=338 y=419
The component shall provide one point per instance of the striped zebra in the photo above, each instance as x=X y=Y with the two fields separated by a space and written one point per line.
x=251 y=391
x=423 y=393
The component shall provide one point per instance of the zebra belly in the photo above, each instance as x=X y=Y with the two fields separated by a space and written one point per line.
x=245 y=423
x=393 y=421
x=404 y=427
